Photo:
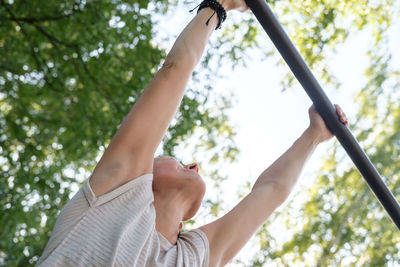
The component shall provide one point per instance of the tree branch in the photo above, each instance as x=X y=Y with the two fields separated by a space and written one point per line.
x=32 y=20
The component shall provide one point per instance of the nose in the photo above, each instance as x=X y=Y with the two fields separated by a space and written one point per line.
x=193 y=166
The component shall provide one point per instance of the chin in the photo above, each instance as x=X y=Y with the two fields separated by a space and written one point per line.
x=191 y=213
x=197 y=195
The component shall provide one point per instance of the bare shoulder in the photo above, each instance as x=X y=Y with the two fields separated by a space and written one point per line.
x=116 y=168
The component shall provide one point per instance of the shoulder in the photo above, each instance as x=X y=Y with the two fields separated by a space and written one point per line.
x=194 y=247
x=139 y=188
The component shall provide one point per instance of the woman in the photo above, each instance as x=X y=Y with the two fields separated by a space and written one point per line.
x=130 y=211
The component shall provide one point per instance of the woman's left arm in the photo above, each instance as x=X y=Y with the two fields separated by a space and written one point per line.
x=229 y=234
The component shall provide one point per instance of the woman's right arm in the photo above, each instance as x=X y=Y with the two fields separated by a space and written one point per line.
x=131 y=151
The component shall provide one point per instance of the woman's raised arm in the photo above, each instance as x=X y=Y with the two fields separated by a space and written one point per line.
x=131 y=151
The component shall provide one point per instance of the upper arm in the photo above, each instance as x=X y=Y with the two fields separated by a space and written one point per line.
x=229 y=234
x=131 y=151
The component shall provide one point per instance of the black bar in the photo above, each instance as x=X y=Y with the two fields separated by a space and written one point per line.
x=324 y=106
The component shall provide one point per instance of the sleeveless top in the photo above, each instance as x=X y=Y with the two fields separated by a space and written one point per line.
x=118 y=229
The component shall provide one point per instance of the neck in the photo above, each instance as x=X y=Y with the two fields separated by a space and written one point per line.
x=169 y=214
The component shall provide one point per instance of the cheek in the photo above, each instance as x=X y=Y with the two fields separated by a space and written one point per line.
x=166 y=170
x=165 y=173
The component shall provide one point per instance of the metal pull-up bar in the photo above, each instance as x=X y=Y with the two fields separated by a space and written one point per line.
x=324 y=106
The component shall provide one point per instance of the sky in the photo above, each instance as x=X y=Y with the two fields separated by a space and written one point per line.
x=268 y=120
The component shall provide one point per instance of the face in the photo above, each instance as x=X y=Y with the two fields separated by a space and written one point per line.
x=172 y=177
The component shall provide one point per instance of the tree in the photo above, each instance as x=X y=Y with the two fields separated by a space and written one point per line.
x=341 y=222
x=69 y=72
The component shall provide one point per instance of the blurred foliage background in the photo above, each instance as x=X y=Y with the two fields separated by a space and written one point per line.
x=71 y=70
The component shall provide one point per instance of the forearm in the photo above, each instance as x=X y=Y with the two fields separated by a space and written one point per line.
x=149 y=119
x=284 y=172
x=189 y=47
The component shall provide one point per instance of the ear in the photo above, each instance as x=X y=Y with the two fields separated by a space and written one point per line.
x=180 y=226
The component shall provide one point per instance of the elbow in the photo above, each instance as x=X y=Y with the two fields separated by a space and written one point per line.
x=169 y=64
x=183 y=69
x=279 y=192
x=170 y=67
x=181 y=64
x=282 y=192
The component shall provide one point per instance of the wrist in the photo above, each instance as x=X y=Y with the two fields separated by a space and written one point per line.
x=225 y=4
x=219 y=7
x=313 y=135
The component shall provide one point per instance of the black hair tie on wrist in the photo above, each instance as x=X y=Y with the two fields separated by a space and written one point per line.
x=217 y=7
